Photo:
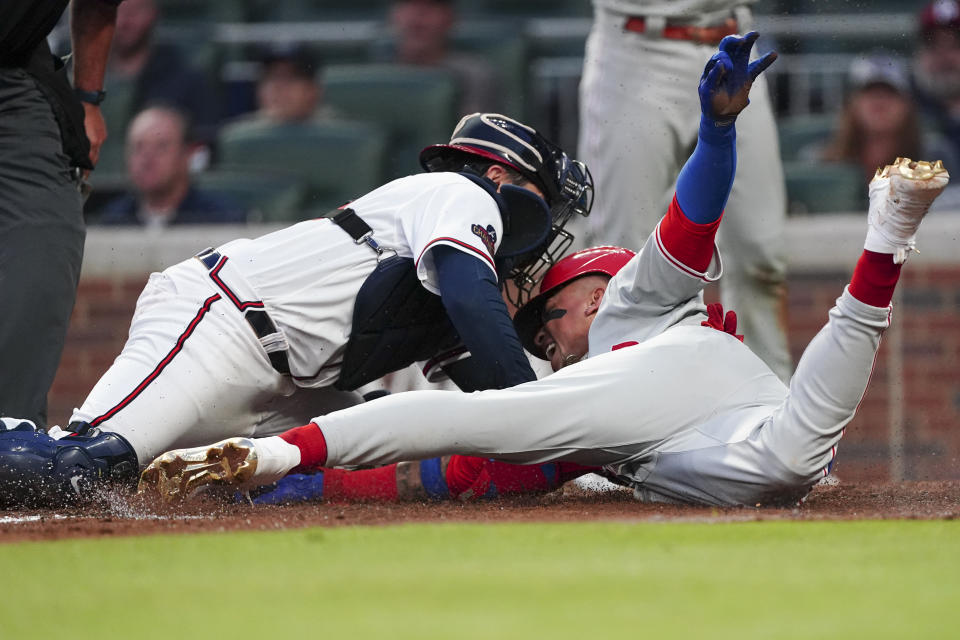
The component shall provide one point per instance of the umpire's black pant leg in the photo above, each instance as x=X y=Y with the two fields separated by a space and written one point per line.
x=41 y=247
x=39 y=272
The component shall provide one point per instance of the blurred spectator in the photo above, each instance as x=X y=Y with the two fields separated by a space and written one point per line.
x=422 y=29
x=158 y=163
x=937 y=75
x=289 y=88
x=879 y=121
x=142 y=72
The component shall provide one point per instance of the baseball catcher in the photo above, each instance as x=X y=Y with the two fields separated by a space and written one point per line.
x=259 y=335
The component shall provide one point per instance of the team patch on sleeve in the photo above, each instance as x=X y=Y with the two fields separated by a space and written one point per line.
x=488 y=236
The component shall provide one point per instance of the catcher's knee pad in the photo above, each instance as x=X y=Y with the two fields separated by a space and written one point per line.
x=39 y=471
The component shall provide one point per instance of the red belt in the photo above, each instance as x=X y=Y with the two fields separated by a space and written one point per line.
x=700 y=35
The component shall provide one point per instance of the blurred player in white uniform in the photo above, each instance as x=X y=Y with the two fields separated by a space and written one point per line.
x=637 y=125
x=679 y=411
x=257 y=336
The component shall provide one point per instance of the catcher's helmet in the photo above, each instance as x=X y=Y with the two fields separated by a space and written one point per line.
x=596 y=260
x=566 y=184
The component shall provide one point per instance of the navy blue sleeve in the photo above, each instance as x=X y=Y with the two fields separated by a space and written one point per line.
x=472 y=299
x=704 y=183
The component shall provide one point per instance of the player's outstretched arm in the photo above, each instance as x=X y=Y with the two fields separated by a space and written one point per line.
x=453 y=477
x=704 y=183
x=471 y=297
x=705 y=180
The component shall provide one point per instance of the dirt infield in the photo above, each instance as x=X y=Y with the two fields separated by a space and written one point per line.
x=122 y=516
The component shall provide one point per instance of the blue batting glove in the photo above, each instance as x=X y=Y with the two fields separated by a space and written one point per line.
x=728 y=76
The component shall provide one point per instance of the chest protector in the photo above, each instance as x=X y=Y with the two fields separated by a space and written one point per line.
x=396 y=322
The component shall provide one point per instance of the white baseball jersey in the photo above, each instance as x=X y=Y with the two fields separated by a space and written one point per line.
x=308 y=274
x=638 y=121
x=679 y=411
x=193 y=370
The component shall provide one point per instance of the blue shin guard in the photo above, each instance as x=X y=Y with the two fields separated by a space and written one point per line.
x=39 y=471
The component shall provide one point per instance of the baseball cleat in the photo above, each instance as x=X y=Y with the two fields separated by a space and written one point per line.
x=900 y=195
x=178 y=474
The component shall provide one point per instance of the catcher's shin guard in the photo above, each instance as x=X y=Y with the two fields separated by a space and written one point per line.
x=39 y=471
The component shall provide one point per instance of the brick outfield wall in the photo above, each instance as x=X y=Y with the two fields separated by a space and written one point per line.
x=928 y=320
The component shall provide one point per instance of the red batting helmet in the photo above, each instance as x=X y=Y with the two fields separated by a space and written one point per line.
x=596 y=260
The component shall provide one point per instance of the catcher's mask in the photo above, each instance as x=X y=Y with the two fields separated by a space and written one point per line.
x=596 y=260
x=531 y=243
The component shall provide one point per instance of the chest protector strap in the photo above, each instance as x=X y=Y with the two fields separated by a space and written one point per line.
x=358 y=229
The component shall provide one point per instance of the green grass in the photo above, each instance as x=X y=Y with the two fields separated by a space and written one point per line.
x=879 y=579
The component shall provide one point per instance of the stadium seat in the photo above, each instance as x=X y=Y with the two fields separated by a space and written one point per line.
x=414 y=105
x=195 y=42
x=499 y=43
x=191 y=11
x=851 y=33
x=855 y=43
x=339 y=160
x=267 y=196
x=773 y=7
x=824 y=187
x=505 y=48
x=533 y=8
x=815 y=7
x=319 y=10
x=798 y=133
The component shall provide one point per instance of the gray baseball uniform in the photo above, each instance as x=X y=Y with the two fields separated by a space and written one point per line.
x=679 y=411
x=638 y=125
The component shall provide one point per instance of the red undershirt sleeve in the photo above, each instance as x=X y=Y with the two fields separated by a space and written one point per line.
x=689 y=242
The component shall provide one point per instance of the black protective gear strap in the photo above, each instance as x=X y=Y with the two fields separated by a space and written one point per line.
x=355 y=226
x=349 y=221
x=262 y=325
x=258 y=319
